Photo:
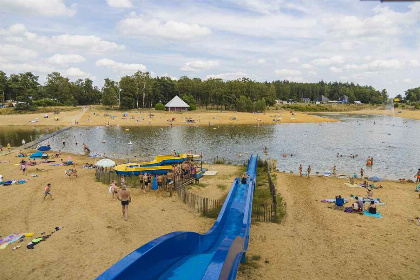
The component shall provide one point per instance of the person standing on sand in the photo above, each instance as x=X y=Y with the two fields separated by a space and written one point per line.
x=125 y=198
x=300 y=170
x=114 y=189
x=8 y=146
x=48 y=191
x=417 y=176
x=309 y=170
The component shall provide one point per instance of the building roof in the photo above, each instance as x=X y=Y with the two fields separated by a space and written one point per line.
x=322 y=99
x=177 y=102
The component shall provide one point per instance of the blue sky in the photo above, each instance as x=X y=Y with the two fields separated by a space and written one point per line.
x=368 y=43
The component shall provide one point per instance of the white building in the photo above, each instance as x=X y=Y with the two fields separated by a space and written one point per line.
x=177 y=104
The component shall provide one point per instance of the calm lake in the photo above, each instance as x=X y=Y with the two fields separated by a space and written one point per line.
x=393 y=143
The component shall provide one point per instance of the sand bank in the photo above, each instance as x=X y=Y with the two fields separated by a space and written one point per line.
x=317 y=242
x=409 y=114
x=94 y=235
x=86 y=117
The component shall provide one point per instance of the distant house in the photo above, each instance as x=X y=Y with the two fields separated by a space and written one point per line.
x=177 y=104
x=306 y=100
x=343 y=99
x=322 y=99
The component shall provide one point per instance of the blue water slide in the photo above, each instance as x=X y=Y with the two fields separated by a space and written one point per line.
x=190 y=255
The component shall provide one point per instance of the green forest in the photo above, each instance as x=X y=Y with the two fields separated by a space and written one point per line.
x=141 y=90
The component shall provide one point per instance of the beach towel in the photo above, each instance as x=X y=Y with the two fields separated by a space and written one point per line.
x=10 y=239
x=377 y=215
x=352 y=186
x=210 y=173
x=332 y=200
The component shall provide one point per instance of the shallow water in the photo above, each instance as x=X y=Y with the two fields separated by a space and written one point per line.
x=393 y=143
x=15 y=135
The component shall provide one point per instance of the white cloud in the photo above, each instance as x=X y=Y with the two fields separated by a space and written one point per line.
x=414 y=63
x=335 y=69
x=74 y=72
x=17 y=33
x=293 y=78
x=120 y=67
x=42 y=7
x=65 y=59
x=408 y=81
x=228 y=76
x=200 y=65
x=175 y=30
x=261 y=61
x=260 y=6
x=307 y=66
x=312 y=73
x=337 y=59
x=92 y=43
x=169 y=76
x=293 y=60
x=26 y=67
x=288 y=72
x=379 y=64
x=120 y=3
x=11 y=53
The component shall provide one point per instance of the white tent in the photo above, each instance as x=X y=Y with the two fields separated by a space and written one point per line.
x=177 y=104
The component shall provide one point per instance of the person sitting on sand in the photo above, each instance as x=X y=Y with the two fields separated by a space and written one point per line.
x=358 y=204
x=244 y=178
x=365 y=184
x=372 y=207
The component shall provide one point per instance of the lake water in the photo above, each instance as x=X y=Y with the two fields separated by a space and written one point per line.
x=393 y=142
x=15 y=135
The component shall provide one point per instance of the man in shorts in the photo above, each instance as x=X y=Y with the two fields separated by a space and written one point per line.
x=48 y=191
x=125 y=198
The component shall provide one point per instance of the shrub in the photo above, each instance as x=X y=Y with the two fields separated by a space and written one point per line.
x=24 y=106
x=159 y=107
x=417 y=106
x=396 y=105
x=46 y=102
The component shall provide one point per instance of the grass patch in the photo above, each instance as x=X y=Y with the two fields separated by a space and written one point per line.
x=222 y=187
x=201 y=185
x=255 y=257
x=250 y=263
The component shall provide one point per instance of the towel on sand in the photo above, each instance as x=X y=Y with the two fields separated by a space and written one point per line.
x=377 y=215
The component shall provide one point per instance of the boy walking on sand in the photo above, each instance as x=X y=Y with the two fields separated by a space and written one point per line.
x=125 y=198
x=48 y=191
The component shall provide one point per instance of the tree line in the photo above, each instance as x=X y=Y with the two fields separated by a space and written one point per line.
x=141 y=90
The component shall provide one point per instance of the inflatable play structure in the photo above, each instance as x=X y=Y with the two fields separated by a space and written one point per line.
x=190 y=255
x=160 y=165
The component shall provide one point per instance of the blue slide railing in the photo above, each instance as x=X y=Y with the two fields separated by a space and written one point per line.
x=190 y=255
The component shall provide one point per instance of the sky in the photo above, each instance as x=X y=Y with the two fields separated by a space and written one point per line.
x=365 y=42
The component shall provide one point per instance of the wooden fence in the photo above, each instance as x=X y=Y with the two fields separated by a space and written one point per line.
x=273 y=192
x=204 y=205
x=264 y=213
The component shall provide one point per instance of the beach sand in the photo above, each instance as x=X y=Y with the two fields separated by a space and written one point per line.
x=94 y=234
x=409 y=114
x=314 y=241
x=86 y=117
x=318 y=242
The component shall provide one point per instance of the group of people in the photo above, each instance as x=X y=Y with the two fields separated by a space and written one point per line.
x=308 y=170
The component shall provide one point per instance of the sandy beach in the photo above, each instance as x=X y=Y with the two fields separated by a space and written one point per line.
x=318 y=242
x=94 y=234
x=97 y=117
x=311 y=243
x=409 y=114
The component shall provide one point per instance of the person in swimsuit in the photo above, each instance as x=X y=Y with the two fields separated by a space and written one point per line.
x=309 y=170
x=361 y=172
x=159 y=180
x=300 y=170
x=48 y=191
x=114 y=189
x=125 y=198
x=334 y=170
x=146 y=182
x=417 y=176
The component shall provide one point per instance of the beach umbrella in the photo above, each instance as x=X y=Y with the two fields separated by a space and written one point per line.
x=375 y=179
x=44 y=148
x=105 y=163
